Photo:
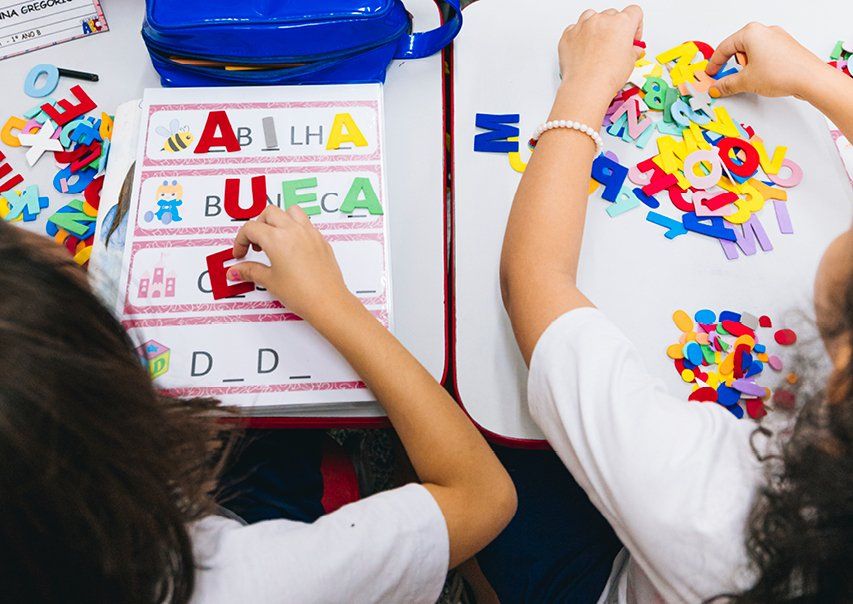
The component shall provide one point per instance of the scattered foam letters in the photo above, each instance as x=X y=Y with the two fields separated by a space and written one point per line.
x=716 y=172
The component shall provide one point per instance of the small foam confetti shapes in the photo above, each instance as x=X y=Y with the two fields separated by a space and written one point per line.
x=723 y=358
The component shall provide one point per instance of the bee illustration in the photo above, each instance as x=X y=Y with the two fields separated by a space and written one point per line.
x=177 y=138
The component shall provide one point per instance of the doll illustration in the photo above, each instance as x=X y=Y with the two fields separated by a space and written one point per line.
x=168 y=201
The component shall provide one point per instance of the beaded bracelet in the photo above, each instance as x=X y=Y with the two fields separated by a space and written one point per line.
x=590 y=132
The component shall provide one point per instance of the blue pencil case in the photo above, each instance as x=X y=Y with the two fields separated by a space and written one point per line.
x=267 y=42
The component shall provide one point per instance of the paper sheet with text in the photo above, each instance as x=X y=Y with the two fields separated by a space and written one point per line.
x=316 y=146
x=33 y=24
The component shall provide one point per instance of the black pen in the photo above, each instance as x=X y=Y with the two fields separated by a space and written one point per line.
x=80 y=75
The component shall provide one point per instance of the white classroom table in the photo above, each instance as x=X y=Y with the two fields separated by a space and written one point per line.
x=414 y=131
x=505 y=61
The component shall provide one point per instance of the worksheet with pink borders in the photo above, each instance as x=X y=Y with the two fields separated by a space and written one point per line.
x=318 y=146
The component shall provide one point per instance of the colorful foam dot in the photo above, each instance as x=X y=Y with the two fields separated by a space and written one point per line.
x=774 y=362
x=705 y=316
x=682 y=320
x=784 y=398
x=785 y=337
x=693 y=352
x=728 y=315
x=755 y=408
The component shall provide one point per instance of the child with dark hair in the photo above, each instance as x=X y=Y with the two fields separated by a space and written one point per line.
x=699 y=513
x=106 y=486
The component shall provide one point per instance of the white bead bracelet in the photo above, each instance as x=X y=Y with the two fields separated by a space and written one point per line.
x=551 y=125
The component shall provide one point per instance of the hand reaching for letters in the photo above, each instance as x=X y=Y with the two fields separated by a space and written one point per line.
x=775 y=63
x=303 y=271
x=598 y=51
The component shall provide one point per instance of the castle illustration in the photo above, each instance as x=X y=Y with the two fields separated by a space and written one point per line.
x=161 y=285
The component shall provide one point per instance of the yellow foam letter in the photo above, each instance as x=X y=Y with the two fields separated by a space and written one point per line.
x=345 y=130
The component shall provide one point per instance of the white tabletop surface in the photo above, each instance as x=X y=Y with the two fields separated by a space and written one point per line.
x=414 y=140
x=505 y=62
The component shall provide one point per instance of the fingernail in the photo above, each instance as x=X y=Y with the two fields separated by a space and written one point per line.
x=714 y=92
x=233 y=274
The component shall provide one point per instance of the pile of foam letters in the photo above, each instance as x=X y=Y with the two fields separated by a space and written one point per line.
x=723 y=358
x=716 y=172
x=80 y=144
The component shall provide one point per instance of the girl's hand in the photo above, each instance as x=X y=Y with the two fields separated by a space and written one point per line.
x=597 y=53
x=774 y=63
x=303 y=271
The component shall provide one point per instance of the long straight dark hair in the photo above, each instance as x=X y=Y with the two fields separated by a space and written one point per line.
x=100 y=475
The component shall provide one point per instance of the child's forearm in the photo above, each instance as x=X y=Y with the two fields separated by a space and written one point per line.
x=543 y=238
x=474 y=492
x=447 y=452
x=831 y=93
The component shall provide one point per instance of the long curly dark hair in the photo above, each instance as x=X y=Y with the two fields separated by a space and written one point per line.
x=801 y=528
x=99 y=474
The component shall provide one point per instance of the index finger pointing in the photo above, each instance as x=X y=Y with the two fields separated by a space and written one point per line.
x=725 y=51
x=253 y=232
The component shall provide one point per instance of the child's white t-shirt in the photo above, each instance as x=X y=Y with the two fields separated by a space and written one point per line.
x=390 y=547
x=676 y=480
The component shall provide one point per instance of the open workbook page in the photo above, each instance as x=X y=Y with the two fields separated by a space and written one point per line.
x=207 y=160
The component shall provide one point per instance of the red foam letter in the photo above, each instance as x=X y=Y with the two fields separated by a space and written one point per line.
x=751 y=160
x=6 y=169
x=85 y=105
x=217 y=121
x=80 y=157
x=92 y=192
x=219 y=282
x=660 y=180
x=232 y=198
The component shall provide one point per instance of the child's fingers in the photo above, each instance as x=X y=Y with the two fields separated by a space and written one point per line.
x=729 y=85
x=273 y=216
x=725 y=51
x=298 y=215
x=585 y=15
x=253 y=232
x=636 y=14
x=250 y=271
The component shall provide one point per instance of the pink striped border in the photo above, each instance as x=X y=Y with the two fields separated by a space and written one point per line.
x=381 y=316
x=261 y=159
x=130 y=309
x=231 y=230
x=271 y=388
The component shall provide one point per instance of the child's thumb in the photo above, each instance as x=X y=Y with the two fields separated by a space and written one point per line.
x=729 y=85
x=250 y=271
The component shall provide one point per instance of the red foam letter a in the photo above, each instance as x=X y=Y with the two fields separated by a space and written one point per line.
x=217 y=121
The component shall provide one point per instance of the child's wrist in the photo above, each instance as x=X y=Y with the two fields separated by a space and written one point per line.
x=581 y=104
x=825 y=82
x=339 y=310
